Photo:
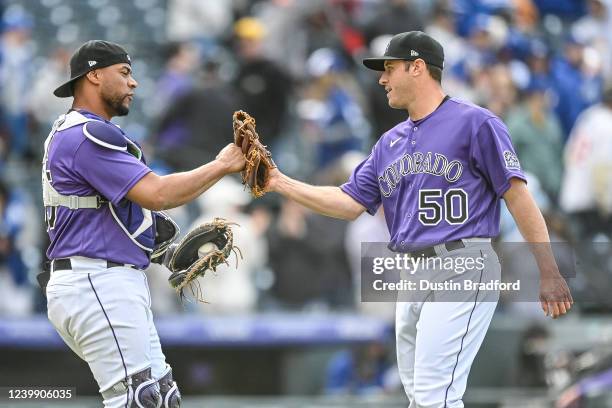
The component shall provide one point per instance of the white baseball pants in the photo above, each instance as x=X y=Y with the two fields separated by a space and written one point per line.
x=437 y=339
x=104 y=316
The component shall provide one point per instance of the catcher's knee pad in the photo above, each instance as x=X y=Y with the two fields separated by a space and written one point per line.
x=171 y=396
x=142 y=391
x=146 y=390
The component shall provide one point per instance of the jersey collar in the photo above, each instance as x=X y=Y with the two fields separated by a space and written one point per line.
x=417 y=122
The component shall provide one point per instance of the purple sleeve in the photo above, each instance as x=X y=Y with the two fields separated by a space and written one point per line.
x=362 y=186
x=111 y=172
x=494 y=156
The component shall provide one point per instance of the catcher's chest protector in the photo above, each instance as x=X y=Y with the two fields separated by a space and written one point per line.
x=137 y=222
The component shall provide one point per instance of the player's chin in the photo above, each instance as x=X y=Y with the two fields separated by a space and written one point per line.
x=394 y=104
x=123 y=109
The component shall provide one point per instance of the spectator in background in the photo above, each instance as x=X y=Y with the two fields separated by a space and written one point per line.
x=16 y=73
x=533 y=348
x=468 y=11
x=586 y=190
x=595 y=29
x=537 y=137
x=485 y=38
x=398 y=16
x=286 y=40
x=570 y=9
x=177 y=79
x=198 y=20
x=525 y=17
x=199 y=123
x=321 y=27
x=331 y=108
x=360 y=371
x=343 y=16
x=523 y=30
x=43 y=107
x=537 y=56
x=576 y=85
x=478 y=74
x=442 y=26
x=501 y=94
x=263 y=88
x=308 y=260
x=15 y=292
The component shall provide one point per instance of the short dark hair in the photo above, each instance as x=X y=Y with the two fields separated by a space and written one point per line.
x=434 y=72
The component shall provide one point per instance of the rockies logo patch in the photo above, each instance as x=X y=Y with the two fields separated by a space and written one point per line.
x=512 y=162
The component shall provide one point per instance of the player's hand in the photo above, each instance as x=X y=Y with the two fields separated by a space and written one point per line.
x=232 y=158
x=273 y=180
x=555 y=296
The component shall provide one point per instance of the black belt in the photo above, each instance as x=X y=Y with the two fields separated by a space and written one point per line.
x=62 y=264
x=429 y=252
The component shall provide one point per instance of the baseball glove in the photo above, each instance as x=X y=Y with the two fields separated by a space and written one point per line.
x=258 y=158
x=202 y=249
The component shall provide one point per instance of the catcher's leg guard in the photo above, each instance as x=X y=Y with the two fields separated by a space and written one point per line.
x=142 y=391
x=171 y=396
x=146 y=390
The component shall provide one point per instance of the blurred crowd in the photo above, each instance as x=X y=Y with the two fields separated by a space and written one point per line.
x=544 y=66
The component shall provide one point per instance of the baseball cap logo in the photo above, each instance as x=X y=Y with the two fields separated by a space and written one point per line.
x=413 y=53
x=92 y=63
x=128 y=58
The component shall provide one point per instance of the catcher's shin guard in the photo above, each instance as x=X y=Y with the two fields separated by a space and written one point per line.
x=142 y=391
x=171 y=396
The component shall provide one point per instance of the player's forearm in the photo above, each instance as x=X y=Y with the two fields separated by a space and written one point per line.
x=326 y=200
x=180 y=188
x=532 y=226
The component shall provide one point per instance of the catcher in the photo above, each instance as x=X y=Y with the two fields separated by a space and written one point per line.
x=102 y=206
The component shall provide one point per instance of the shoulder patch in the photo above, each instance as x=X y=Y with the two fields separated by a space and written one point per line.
x=512 y=162
x=105 y=134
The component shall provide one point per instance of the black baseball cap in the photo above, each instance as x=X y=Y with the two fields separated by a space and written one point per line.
x=92 y=55
x=408 y=47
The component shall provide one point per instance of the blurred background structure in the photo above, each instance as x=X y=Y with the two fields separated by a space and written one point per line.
x=289 y=322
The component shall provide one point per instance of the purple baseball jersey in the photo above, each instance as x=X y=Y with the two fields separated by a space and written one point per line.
x=440 y=178
x=81 y=167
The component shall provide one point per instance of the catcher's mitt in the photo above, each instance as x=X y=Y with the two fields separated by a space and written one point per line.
x=202 y=249
x=258 y=158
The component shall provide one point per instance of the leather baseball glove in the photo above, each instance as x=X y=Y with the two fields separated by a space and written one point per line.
x=202 y=249
x=258 y=158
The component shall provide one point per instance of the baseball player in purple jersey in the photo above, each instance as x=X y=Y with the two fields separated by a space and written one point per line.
x=439 y=176
x=102 y=207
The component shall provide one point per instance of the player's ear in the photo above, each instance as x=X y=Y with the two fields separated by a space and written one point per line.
x=419 y=66
x=94 y=76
